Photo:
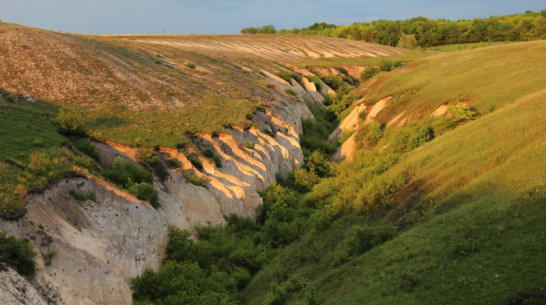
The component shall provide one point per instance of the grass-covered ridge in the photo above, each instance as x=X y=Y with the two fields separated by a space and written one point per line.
x=426 y=214
x=485 y=78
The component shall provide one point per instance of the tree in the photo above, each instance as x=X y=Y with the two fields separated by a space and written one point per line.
x=407 y=41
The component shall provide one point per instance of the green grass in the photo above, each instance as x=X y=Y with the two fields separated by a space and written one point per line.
x=486 y=78
x=406 y=57
x=166 y=127
x=25 y=129
x=469 y=215
x=22 y=124
x=464 y=46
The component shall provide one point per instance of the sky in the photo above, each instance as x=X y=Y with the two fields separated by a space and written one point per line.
x=230 y=16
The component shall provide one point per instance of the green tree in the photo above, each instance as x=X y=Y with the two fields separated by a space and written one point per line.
x=407 y=41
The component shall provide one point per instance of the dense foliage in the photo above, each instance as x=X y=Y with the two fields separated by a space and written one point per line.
x=17 y=253
x=266 y=29
x=425 y=32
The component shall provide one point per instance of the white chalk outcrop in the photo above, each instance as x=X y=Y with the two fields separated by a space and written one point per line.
x=99 y=245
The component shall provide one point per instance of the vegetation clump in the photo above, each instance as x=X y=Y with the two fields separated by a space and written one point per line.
x=133 y=178
x=368 y=73
x=425 y=32
x=18 y=254
x=70 y=123
x=150 y=158
x=194 y=179
x=266 y=29
x=460 y=112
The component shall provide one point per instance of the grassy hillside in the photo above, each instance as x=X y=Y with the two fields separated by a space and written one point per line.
x=443 y=210
x=468 y=211
x=150 y=90
x=471 y=223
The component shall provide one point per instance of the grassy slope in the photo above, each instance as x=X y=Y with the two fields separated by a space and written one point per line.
x=486 y=78
x=482 y=244
x=474 y=209
x=141 y=89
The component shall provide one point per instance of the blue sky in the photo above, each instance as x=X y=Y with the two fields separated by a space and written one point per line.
x=223 y=16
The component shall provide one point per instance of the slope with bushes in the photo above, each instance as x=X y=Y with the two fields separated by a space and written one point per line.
x=444 y=209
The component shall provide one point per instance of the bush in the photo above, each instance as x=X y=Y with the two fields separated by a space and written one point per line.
x=194 y=179
x=145 y=191
x=266 y=29
x=85 y=146
x=18 y=254
x=126 y=173
x=409 y=137
x=150 y=158
x=386 y=65
x=248 y=144
x=460 y=112
x=83 y=196
x=361 y=239
x=191 y=65
x=441 y=125
x=69 y=123
x=287 y=75
x=334 y=82
x=209 y=154
x=196 y=162
x=341 y=101
x=291 y=92
x=172 y=162
x=368 y=73
x=314 y=136
x=374 y=133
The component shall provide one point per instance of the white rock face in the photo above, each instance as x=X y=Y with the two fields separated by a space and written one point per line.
x=100 y=245
x=17 y=290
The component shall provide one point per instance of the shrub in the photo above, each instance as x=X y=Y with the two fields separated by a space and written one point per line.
x=83 y=196
x=340 y=102
x=287 y=75
x=361 y=239
x=69 y=123
x=83 y=161
x=85 y=146
x=248 y=144
x=151 y=158
x=18 y=254
x=191 y=65
x=368 y=73
x=145 y=191
x=441 y=125
x=409 y=137
x=172 y=162
x=386 y=65
x=266 y=29
x=460 y=112
x=196 y=162
x=334 y=82
x=125 y=173
x=291 y=92
x=194 y=179
x=314 y=136
x=211 y=155
x=48 y=165
x=374 y=133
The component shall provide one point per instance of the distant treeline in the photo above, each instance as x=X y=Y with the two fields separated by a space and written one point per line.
x=266 y=29
x=425 y=32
